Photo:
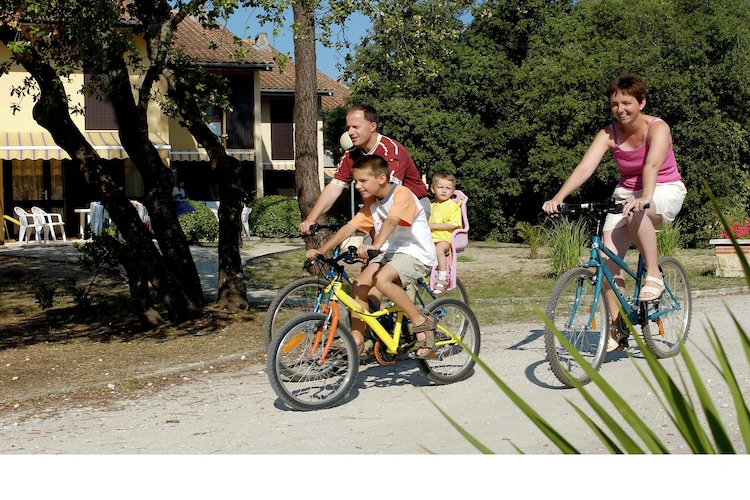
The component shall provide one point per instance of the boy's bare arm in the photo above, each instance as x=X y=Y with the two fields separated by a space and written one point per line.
x=389 y=224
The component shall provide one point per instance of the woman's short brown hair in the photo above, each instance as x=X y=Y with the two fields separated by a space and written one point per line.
x=627 y=84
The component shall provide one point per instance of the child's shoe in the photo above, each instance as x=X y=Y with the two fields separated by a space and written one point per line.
x=440 y=287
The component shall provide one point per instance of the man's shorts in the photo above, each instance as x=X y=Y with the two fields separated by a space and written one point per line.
x=409 y=268
x=667 y=200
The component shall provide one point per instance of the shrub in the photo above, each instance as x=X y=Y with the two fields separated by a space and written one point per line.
x=531 y=236
x=668 y=239
x=200 y=225
x=275 y=217
x=566 y=238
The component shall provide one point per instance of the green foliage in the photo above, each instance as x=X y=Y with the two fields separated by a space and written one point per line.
x=275 y=217
x=44 y=296
x=567 y=238
x=531 y=236
x=200 y=225
x=512 y=103
x=668 y=239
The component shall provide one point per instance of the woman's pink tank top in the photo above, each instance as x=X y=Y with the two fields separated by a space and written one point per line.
x=631 y=163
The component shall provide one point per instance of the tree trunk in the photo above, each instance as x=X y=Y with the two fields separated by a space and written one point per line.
x=51 y=112
x=305 y=110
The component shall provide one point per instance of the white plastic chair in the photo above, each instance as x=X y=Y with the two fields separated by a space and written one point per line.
x=51 y=220
x=459 y=242
x=29 y=223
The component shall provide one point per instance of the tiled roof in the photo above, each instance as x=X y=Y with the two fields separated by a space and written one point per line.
x=278 y=80
x=197 y=41
x=213 y=46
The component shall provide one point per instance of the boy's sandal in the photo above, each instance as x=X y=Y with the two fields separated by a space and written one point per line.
x=428 y=328
x=652 y=289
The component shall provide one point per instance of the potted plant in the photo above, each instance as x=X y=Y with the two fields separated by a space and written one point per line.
x=727 y=260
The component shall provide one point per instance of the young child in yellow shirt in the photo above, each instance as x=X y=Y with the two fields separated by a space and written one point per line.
x=445 y=217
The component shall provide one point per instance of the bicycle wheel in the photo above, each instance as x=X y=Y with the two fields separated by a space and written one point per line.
x=455 y=320
x=570 y=310
x=295 y=370
x=671 y=312
x=300 y=296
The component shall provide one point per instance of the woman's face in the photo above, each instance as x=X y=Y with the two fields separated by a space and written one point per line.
x=625 y=107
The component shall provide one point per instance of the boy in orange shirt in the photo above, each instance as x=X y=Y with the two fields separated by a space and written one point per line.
x=402 y=235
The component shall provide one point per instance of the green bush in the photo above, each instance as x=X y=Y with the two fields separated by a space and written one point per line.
x=200 y=225
x=668 y=240
x=567 y=238
x=275 y=217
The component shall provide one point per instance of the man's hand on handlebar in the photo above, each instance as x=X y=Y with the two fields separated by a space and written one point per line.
x=312 y=254
x=304 y=226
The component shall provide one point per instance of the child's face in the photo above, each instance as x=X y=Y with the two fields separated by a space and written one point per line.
x=443 y=189
x=368 y=184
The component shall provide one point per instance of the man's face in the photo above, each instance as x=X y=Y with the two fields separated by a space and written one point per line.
x=361 y=131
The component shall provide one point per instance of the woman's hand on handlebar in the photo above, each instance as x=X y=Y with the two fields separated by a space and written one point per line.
x=633 y=204
x=552 y=207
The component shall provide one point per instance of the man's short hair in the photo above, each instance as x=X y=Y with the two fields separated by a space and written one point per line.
x=371 y=115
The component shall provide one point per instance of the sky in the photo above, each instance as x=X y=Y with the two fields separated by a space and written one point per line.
x=243 y=23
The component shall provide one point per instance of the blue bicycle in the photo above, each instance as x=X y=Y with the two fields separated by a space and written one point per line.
x=578 y=309
x=306 y=295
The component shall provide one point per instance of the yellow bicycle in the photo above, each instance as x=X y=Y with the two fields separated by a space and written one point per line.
x=313 y=360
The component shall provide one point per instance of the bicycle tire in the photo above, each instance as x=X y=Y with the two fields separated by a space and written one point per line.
x=662 y=335
x=569 y=309
x=295 y=371
x=298 y=297
x=451 y=362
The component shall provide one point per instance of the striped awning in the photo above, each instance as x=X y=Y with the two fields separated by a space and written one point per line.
x=41 y=146
x=202 y=155
x=279 y=165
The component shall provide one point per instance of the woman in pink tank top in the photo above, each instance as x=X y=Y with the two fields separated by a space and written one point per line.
x=650 y=185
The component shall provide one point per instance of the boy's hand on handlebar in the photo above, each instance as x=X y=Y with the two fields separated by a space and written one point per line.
x=366 y=252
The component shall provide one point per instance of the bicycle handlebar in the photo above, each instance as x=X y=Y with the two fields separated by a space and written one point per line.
x=314 y=228
x=609 y=206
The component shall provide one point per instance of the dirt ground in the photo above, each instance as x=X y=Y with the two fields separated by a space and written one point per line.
x=56 y=358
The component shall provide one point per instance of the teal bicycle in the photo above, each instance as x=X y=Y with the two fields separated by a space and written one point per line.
x=578 y=309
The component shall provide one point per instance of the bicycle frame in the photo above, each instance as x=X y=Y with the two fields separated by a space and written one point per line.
x=595 y=260
x=390 y=340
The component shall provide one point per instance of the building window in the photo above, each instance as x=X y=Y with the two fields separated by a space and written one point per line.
x=100 y=114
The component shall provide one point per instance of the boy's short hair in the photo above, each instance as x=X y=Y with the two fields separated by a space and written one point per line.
x=375 y=164
x=443 y=176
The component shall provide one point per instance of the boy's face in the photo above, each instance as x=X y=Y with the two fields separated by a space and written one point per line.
x=443 y=189
x=368 y=184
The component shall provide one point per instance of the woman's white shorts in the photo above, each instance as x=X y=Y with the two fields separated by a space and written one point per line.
x=667 y=200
